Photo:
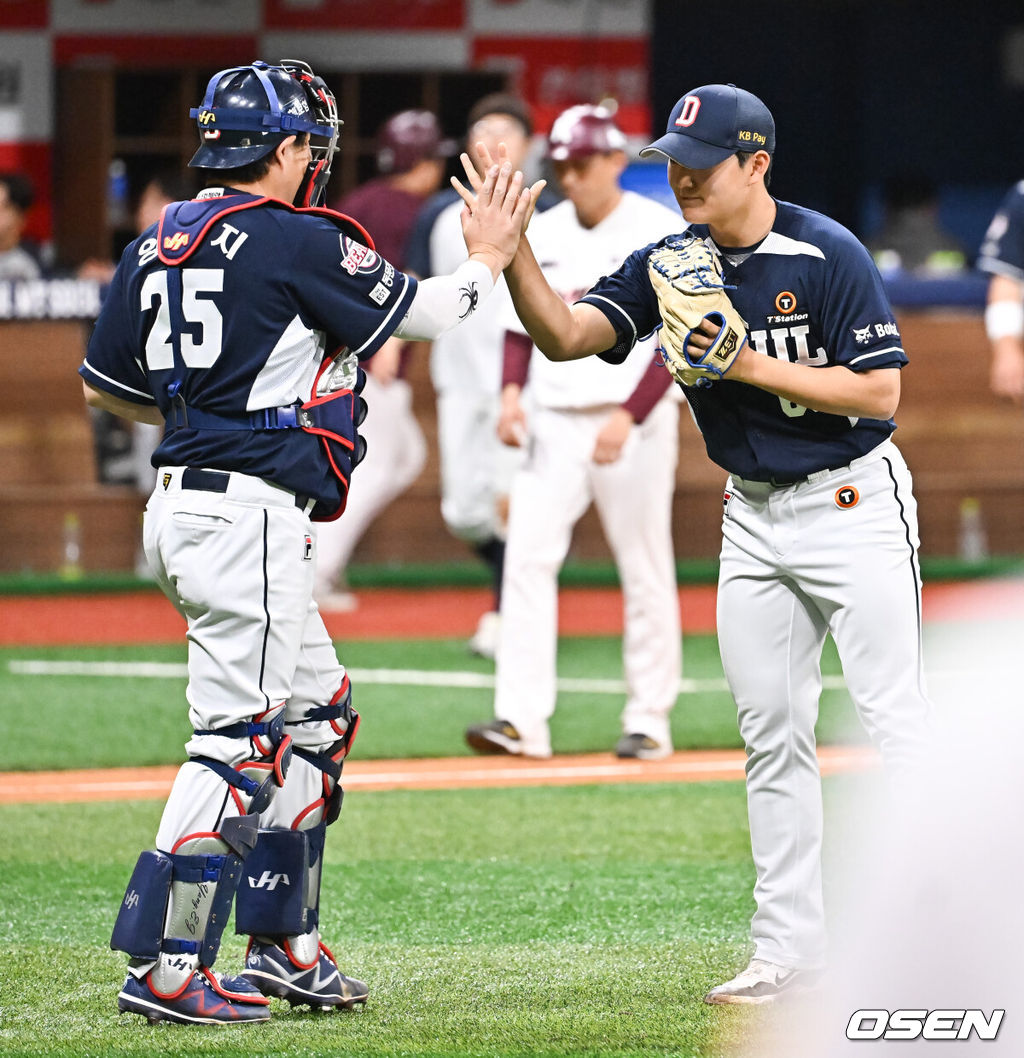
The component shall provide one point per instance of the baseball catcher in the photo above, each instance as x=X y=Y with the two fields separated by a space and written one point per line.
x=687 y=277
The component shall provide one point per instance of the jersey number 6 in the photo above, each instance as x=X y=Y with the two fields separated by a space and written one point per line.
x=197 y=312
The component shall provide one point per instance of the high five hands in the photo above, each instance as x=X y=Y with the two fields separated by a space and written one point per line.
x=497 y=207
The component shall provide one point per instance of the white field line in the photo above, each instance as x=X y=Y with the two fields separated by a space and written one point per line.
x=392 y=677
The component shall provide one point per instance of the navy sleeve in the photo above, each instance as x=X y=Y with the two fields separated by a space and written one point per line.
x=353 y=292
x=627 y=298
x=857 y=321
x=1002 y=250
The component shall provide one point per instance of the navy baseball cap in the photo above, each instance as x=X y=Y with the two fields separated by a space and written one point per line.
x=711 y=123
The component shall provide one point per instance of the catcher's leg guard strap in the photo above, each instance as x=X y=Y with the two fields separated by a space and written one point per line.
x=254 y=782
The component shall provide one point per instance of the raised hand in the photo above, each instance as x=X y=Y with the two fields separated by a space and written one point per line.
x=493 y=214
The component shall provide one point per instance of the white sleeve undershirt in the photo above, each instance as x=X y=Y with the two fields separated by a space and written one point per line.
x=441 y=302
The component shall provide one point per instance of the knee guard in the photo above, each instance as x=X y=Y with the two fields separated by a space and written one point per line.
x=342 y=718
x=178 y=903
x=254 y=782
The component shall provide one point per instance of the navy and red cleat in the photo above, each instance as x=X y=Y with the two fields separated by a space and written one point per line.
x=276 y=972
x=206 y=999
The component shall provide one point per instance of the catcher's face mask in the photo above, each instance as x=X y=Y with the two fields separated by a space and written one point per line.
x=323 y=136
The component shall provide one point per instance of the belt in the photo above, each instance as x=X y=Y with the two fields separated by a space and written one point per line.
x=217 y=481
x=877 y=452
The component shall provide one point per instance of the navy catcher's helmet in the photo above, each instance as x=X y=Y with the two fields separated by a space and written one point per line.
x=584 y=130
x=408 y=137
x=248 y=110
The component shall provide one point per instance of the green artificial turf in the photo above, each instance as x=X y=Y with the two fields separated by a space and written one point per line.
x=562 y=921
x=53 y=722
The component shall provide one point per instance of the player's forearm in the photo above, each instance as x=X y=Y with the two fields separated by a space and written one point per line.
x=125 y=409
x=547 y=318
x=442 y=302
x=837 y=389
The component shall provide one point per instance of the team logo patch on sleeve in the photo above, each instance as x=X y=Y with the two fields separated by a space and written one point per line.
x=355 y=257
x=847 y=497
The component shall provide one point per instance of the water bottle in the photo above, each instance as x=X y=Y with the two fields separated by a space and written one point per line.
x=71 y=563
x=973 y=541
x=117 y=194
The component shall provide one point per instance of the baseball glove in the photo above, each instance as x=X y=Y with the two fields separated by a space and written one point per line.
x=687 y=277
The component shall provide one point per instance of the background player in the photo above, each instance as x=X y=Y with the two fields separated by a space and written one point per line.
x=224 y=321
x=465 y=369
x=410 y=162
x=820 y=523
x=1002 y=256
x=595 y=433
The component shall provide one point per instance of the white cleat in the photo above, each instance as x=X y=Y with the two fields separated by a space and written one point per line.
x=762 y=982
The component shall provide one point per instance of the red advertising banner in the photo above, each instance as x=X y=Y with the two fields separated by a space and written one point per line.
x=24 y=14
x=140 y=51
x=364 y=14
x=553 y=73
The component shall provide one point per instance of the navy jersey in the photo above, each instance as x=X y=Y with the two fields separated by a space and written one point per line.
x=810 y=293
x=243 y=323
x=1002 y=251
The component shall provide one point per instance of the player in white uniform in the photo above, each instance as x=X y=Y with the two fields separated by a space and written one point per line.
x=1002 y=257
x=820 y=524
x=594 y=433
x=238 y=321
x=465 y=368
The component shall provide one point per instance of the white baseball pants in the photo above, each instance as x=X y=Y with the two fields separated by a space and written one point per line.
x=476 y=468
x=634 y=501
x=396 y=452
x=799 y=562
x=238 y=566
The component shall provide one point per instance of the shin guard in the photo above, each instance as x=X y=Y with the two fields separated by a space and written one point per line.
x=177 y=904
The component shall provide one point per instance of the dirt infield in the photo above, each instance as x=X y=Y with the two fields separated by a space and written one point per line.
x=387 y=613
x=383 y=613
x=450 y=773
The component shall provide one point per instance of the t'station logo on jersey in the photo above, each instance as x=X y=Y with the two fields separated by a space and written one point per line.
x=785 y=302
x=846 y=497
x=355 y=257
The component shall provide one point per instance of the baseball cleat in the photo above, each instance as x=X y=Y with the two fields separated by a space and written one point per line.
x=499 y=736
x=642 y=747
x=762 y=982
x=321 y=986
x=207 y=999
